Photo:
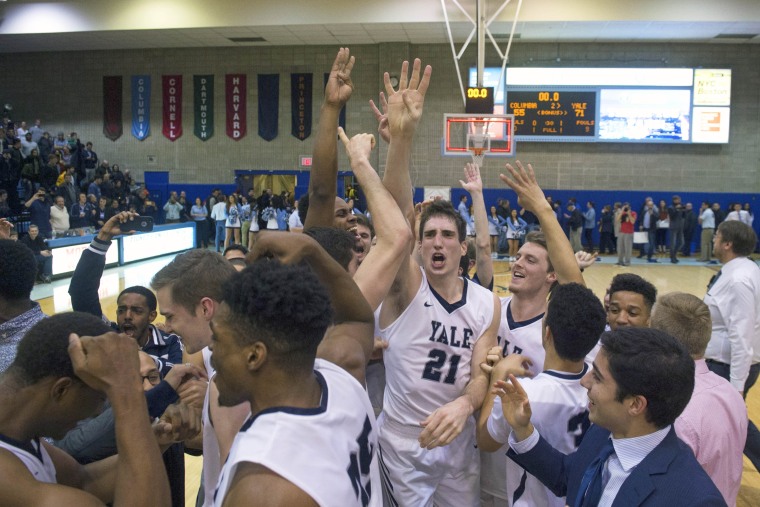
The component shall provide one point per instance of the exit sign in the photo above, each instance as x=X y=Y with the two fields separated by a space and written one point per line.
x=306 y=161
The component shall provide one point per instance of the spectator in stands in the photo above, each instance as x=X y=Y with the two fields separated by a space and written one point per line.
x=106 y=187
x=99 y=217
x=18 y=313
x=36 y=131
x=689 y=227
x=720 y=215
x=59 y=217
x=10 y=173
x=116 y=174
x=27 y=145
x=219 y=216
x=589 y=220
x=90 y=159
x=5 y=210
x=21 y=130
x=68 y=190
x=42 y=254
x=59 y=143
x=45 y=145
x=114 y=208
x=94 y=188
x=149 y=209
x=80 y=213
x=627 y=219
x=39 y=212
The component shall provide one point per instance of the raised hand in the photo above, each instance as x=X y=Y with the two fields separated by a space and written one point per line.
x=107 y=362
x=585 y=259
x=515 y=406
x=286 y=247
x=5 y=228
x=382 y=118
x=523 y=182
x=358 y=147
x=472 y=182
x=405 y=104
x=339 y=85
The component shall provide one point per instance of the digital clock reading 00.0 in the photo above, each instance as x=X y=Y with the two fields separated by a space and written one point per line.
x=553 y=113
x=479 y=100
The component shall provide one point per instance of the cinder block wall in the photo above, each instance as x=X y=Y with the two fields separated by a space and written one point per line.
x=64 y=89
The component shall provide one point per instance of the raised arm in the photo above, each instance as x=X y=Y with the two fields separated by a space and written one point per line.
x=531 y=197
x=349 y=342
x=376 y=274
x=85 y=281
x=323 y=181
x=474 y=185
x=404 y=113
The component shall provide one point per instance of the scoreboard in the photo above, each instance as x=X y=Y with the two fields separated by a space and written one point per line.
x=553 y=113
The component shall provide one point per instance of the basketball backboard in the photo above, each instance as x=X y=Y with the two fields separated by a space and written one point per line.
x=478 y=136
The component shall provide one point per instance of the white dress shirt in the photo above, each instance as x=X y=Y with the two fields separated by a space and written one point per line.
x=734 y=302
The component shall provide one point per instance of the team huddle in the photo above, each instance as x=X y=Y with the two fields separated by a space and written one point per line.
x=545 y=397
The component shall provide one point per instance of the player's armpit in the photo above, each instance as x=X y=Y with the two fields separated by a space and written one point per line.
x=251 y=479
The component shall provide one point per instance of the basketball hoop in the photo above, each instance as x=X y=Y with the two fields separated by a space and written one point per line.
x=479 y=142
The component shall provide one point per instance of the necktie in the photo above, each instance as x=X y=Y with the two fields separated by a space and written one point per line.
x=713 y=280
x=590 y=491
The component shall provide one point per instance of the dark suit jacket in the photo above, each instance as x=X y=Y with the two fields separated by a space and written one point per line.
x=669 y=475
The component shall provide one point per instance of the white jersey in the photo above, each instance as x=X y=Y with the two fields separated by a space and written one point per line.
x=427 y=362
x=521 y=337
x=212 y=463
x=330 y=452
x=514 y=338
x=560 y=414
x=34 y=456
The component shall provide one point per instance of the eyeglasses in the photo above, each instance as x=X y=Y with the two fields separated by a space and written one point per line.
x=154 y=378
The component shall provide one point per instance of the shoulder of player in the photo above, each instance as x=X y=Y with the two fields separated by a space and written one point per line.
x=252 y=478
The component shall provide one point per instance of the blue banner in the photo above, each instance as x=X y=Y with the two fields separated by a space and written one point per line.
x=141 y=107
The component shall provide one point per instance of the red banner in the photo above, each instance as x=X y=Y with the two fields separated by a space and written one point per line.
x=171 y=91
x=112 y=104
x=236 y=98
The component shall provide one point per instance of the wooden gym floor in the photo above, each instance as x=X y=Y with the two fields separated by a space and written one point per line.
x=688 y=277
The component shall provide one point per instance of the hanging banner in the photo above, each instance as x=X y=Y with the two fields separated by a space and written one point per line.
x=300 y=105
x=269 y=105
x=141 y=107
x=342 y=117
x=236 y=97
x=203 y=107
x=171 y=90
x=112 y=104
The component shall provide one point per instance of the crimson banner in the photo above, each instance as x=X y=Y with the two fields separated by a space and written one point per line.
x=112 y=106
x=171 y=90
x=236 y=96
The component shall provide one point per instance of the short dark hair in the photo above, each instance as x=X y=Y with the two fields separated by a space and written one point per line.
x=338 y=243
x=18 y=270
x=361 y=219
x=741 y=236
x=576 y=318
x=630 y=282
x=43 y=351
x=234 y=247
x=443 y=209
x=283 y=306
x=651 y=363
x=150 y=298
x=193 y=275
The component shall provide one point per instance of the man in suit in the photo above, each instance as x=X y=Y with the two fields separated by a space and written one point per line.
x=641 y=382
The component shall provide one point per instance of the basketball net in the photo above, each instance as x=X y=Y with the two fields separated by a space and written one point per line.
x=479 y=142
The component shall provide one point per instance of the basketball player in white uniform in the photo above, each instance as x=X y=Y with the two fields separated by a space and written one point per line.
x=546 y=258
x=311 y=438
x=56 y=380
x=573 y=322
x=439 y=328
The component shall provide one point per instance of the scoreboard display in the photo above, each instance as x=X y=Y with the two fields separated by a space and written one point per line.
x=612 y=105
x=553 y=113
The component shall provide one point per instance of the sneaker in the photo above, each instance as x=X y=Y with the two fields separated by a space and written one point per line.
x=47 y=279
x=652 y=260
x=674 y=261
